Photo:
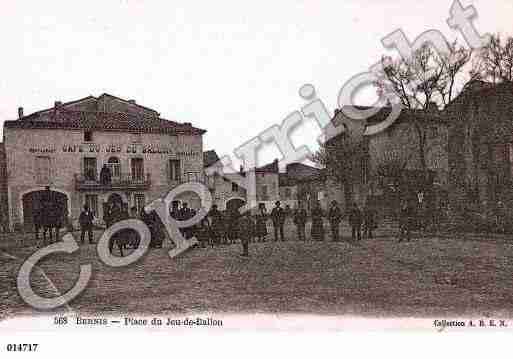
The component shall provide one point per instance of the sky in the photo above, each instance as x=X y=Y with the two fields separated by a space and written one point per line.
x=233 y=68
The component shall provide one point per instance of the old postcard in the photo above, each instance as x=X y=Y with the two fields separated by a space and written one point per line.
x=186 y=167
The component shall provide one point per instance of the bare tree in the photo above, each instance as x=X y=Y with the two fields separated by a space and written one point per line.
x=497 y=59
x=423 y=83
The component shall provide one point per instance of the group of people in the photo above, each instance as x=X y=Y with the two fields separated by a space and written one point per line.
x=226 y=228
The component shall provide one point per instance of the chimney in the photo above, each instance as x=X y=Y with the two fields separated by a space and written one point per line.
x=57 y=104
x=132 y=102
x=188 y=124
x=241 y=169
x=20 y=113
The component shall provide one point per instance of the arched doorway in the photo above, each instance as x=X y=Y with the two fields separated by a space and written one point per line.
x=32 y=203
x=234 y=204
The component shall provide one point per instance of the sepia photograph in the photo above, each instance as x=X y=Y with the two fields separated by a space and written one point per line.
x=177 y=168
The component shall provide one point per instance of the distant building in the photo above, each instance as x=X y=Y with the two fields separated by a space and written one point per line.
x=389 y=161
x=67 y=147
x=299 y=183
x=226 y=193
x=303 y=184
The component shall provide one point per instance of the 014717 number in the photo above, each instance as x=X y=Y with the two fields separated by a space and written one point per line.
x=22 y=347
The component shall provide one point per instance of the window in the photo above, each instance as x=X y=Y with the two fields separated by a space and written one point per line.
x=137 y=165
x=91 y=200
x=263 y=192
x=114 y=167
x=235 y=187
x=139 y=202
x=288 y=193
x=43 y=170
x=89 y=169
x=174 y=170
x=88 y=136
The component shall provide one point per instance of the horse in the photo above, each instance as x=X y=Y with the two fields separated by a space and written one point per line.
x=123 y=238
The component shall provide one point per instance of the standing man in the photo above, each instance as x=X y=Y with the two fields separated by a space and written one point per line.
x=86 y=224
x=334 y=217
x=317 y=230
x=184 y=214
x=175 y=210
x=216 y=220
x=369 y=219
x=300 y=222
x=105 y=175
x=355 y=221
x=278 y=218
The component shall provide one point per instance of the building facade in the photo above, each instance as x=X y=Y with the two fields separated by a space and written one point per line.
x=298 y=184
x=97 y=150
x=389 y=161
x=480 y=148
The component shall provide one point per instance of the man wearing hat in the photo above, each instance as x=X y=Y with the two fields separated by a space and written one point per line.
x=86 y=224
x=278 y=218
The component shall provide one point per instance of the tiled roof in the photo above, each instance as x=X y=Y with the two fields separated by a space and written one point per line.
x=104 y=121
x=383 y=112
x=270 y=167
x=298 y=173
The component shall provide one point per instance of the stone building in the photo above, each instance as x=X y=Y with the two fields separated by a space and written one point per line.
x=226 y=193
x=389 y=162
x=299 y=183
x=480 y=147
x=69 y=146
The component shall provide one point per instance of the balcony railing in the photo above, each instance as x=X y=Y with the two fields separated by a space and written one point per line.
x=123 y=182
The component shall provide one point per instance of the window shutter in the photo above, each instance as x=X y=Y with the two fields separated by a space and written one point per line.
x=168 y=170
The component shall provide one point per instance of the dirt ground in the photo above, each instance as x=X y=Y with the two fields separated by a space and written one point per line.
x=428 y=277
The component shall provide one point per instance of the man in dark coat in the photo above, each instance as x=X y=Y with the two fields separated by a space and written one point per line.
x=300 y=222
x=185 y=213
x=369 y=219
x=175 y=210
x=105 y=175
x=355 y=221
x=334 y=217
x=278 y=218
x=86 y=224
x=317 y=230
x=216 y=220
